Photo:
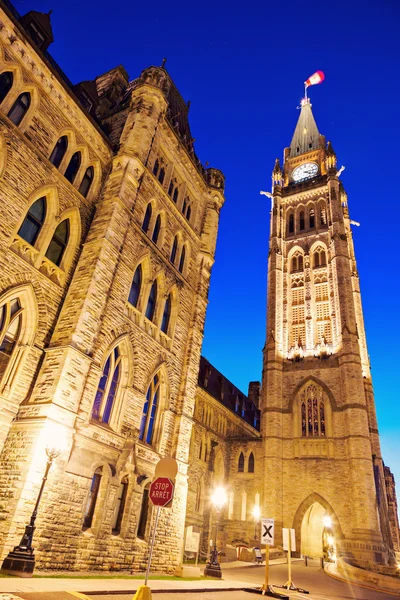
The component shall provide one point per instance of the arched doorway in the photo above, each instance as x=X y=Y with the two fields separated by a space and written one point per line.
x=317 y=528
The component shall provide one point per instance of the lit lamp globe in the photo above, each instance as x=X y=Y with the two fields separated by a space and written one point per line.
x=327 y=521
x=256 y=513
x=219 y=498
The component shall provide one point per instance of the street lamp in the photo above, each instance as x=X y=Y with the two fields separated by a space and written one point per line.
x=218 y=499
x=256 y=515
x=21 y=560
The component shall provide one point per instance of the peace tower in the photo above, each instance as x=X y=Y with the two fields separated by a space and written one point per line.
x=323 y=471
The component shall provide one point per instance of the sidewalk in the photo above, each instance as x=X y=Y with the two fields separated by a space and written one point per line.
x=13 y=585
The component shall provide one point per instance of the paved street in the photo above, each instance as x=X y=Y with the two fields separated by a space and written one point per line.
x=312 y=578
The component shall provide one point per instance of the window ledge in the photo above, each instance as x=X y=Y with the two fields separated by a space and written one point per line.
x=148 y=327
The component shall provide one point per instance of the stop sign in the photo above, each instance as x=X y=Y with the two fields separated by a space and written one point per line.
x=161 y=491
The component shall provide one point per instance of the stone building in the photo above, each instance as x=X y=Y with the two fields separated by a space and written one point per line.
x=107 y=239
x=108 y=231
x=319 y=424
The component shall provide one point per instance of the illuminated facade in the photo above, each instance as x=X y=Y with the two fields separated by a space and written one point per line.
x=319 y=424
x=109 y=224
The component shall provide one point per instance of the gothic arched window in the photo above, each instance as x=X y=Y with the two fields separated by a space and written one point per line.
x=323 y=215
x=144 y=513
x=59 y=242
x=166 y=315
x=188 y=212
x=175 y=196
x=174 y=249
x=150 y=410
x=19 y=108
x=86 y=182
x=72 y=170
x=291 y=223
x=312 y=218
x=92 y=499
x=151 y=302
x=301 y=221
x=107 y=388
x=33 y=222
x=10 y=328
x=250 y=467
x=171 y=188
x=241 y=463
x=119 y=506
x=135 y=287
x=147 y=217
x=161 y=175
x=313 y=412
x=59 y=151
x=156 y=167
x=182 y=259
x=156 y=230
x=6 y=81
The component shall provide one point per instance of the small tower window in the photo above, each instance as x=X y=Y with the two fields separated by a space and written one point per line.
x=156 y=167
x=59 y=242
x=250 y=468
x=144 y=513
x=170 y=188
x=92 y=499
x=174 y=249
x=119 y=507
x=19 y=108
x=73 y=167
x=151 y=302
x=166 y=315
x=156 y=230
x=59 y=151
x=241 y=463
x=107 y=388
x=86 y=182
x=175 y=197
x=182 y=259
x=135 y=287
x=33 y=221
x=147 y=217
x=6 y=81
x=312 y=218
x=161 y=175
x=291 y=223
x=150 y=409
x=301 y=221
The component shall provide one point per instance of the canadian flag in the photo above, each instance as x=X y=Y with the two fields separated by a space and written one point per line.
x=315 y=78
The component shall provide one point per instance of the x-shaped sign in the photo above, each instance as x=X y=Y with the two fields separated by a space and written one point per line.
x=267 y=531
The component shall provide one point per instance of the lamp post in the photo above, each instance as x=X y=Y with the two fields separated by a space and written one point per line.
x=213 y=568
x=21 y=560
x=256 y=515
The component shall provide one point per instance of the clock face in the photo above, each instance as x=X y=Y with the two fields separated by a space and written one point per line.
x=306 y=171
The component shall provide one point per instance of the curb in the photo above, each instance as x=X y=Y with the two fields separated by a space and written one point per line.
x=363 y=585
x=170 y=591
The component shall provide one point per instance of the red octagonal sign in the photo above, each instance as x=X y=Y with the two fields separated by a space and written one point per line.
x=161 y=491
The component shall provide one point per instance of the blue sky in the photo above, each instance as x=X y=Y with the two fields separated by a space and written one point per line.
x=243 y=67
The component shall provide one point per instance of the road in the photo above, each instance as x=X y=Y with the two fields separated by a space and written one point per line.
x=312 y=578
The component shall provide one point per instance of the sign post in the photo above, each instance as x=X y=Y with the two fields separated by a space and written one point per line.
x=267 y=538
x=161 y=494
x=289 y=544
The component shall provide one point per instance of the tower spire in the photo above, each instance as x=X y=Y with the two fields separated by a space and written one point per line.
x=306 y=134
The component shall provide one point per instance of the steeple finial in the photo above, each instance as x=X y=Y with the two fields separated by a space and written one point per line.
x=306 y=134
x=164 y=60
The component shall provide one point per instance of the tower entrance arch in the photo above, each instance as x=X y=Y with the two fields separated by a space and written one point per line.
x=317 y=528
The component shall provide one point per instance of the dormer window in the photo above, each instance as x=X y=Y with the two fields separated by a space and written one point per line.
x=36 y=35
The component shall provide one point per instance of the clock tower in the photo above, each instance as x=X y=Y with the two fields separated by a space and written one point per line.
x=323 y=467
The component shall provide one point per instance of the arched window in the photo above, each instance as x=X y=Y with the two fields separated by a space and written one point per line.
x=156 y=167
x=188 y=213
x=107 y=388
x=33 y=221
x=184 y=205
x=135 y=287
x=92 y=499
x=301 y=221
x=166 y=315
x=19 y=108
x=175 y=196
x=170 y=188
x=323 y=215
x=313 y=412
x=312 y=218
x=149 y=415
x=297 y=262
x=59 y=151
x=319 y=257
x=6 y=81
x=250 y=467
x=86 y=182
x=147 y=217
x=161 y=175
x=300 y=262
x=144 y=513
x=59 y=242
x=73 y=167
x=291 y=223
x=241 y=463
x=182 y=259
x=119 y=506
x=156 y=230
x=10 y=328
x=151 y=302
x=174 y=249
x=294 y=264
x=322 y=258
